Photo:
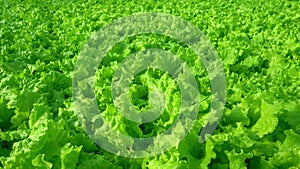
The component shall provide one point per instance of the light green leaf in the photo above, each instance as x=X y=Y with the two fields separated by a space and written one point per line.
x=39 y=162
x=268 y=120
x=237 y=160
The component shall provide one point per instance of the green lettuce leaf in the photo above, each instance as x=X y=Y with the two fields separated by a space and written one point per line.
x=39 y=162
x=268 y=121
x=289 y=152
x=237 y=160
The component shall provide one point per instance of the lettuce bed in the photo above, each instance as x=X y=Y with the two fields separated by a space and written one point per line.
x=258 y=43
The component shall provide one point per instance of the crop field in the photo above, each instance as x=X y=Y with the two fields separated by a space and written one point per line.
x=41 y=126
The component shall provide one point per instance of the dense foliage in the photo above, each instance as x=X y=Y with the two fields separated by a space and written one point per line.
x=258 y=43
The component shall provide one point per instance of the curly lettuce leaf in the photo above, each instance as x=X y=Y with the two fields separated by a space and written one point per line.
x=39 y=162
x=289 y=152
x=268 y=121
x=237 y=160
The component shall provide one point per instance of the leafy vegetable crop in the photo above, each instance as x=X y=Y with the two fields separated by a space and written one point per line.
x=258 y=44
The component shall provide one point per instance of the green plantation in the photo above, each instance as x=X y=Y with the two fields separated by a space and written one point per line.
x=257 y=42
